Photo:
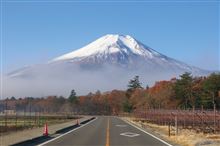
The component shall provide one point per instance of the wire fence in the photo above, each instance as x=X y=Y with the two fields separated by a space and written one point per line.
x=206 y=121
x=20 y=121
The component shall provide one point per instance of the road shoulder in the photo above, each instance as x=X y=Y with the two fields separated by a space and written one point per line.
x=149 y=131
x=25 y=135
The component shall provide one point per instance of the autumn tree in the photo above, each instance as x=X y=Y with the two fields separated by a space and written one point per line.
x=116 y=99
x=161 y=94
x=138 y=98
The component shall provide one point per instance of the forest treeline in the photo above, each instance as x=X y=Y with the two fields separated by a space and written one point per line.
x=182 y=93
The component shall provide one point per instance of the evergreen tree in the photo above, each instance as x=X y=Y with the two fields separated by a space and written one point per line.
x=134 y=83
x=212 y=86
x=183 y=89
x=73 y=98
x=13 y=98
x=127 y=106
x=147 y=87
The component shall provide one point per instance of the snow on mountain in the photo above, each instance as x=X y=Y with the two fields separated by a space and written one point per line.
x=110 y=44
x=121 y=51
x=125 y=51
x=105 y=64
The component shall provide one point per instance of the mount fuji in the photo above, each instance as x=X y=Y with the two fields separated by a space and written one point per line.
x=126 y=52
x=105 y=64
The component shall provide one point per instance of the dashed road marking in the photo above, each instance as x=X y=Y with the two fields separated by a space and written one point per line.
x=121 y=125
x=129 y=134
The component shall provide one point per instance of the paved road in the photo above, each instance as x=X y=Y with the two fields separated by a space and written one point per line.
x=106 y=131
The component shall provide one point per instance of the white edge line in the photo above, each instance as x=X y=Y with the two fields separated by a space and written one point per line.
x=66 y=133
x=147 y=132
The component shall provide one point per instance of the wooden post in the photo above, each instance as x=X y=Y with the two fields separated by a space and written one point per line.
x=169 y=129
x=214 y=118
x=176 y=125
x=16 y=119
x=35 y=118
x=38 y=118
x=30 y=119
x=145 y=115
x=193 y=117
x=6 y=114
x=184 y=120
x=203 y=128
x=24 y=116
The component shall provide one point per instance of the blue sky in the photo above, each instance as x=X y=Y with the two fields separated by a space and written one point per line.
x=36 y=32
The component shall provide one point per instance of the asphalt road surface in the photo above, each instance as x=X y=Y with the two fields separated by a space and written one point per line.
x=106 y=131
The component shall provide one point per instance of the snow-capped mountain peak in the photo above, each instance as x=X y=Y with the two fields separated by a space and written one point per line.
x=106 y=64
x=111 y=44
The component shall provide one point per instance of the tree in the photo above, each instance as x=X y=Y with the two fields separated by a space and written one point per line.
x=138 y=98
x=212 y=86
x=73 y=98
x=116 y=100
x=161 y=94
x=147 y=87
x=183 y=89
x=13 y=98
x=127 y=106
x=134 y=83
x=198 y=92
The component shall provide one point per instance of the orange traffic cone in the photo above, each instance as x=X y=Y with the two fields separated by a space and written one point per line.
x=45 y=130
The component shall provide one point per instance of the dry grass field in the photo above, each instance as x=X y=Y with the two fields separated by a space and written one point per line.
x=184 y=137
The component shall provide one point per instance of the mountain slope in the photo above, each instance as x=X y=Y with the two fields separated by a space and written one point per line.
x=105 y=64
x=111 y=44
x=124 y=51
